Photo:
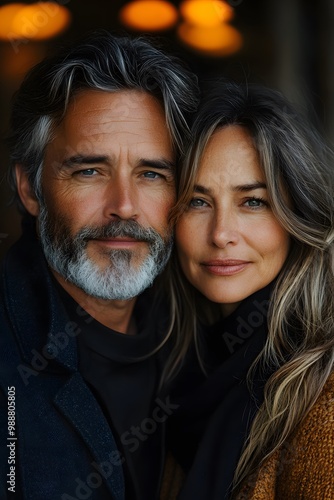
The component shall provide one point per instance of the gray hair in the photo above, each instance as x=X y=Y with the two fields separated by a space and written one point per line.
x=104 y=62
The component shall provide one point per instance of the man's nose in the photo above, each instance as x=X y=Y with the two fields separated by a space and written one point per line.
x=121 y=198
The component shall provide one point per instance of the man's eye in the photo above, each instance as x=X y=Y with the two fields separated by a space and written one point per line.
x=197 y=203
x=87 y=172
x=152 y=175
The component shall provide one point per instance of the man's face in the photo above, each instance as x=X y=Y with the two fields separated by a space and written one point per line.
x=108 y=186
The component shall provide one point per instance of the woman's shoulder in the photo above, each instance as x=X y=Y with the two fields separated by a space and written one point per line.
x=319 y=421
x=306 y=464
x=329 y=386
x=303 y=467
x=321 y=415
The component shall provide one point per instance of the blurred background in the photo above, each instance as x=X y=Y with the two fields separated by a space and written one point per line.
x=285 y=44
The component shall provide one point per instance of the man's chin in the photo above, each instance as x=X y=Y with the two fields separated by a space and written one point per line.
x=103 y=260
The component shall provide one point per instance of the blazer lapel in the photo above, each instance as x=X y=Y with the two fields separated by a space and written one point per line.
x=76 y=402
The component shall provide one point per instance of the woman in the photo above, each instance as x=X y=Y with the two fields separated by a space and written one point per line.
x=255 y=239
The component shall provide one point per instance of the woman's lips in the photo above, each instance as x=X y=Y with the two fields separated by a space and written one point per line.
x=225 y=267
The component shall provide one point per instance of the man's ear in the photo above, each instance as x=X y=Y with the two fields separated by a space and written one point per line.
x=25 y=191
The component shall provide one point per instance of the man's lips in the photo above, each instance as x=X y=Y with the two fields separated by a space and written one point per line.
x=225 y=267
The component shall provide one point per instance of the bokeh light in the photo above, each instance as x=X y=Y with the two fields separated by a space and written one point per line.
x=37 y=21
x=222 y=40
x=206 y=13
x=7 y=15
x=149 y=15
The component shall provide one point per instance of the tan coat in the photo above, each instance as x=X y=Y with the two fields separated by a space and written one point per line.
x=303 y=469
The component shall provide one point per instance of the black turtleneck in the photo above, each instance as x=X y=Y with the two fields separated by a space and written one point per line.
x=125 y=385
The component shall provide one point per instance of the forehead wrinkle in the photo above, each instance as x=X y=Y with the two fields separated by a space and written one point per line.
x=97 y=129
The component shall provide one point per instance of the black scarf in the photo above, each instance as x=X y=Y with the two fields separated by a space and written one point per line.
x=210 y=427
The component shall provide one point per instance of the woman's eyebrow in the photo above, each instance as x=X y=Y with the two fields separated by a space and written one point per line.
x=239 y=188
x=250 y=187
x=201 y=189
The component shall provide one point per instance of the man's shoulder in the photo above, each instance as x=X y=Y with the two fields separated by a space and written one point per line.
x=23 y=265
x=28 y=299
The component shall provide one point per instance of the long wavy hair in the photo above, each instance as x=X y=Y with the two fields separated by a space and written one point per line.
x=298 y=166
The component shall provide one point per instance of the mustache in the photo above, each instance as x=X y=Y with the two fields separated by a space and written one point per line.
x=119 y=229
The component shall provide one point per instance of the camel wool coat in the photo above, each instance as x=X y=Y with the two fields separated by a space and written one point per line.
x=303 y=468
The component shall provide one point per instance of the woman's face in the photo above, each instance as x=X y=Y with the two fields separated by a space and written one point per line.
x=229 y=242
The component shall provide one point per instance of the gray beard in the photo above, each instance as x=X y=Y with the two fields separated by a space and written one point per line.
x=121 y=280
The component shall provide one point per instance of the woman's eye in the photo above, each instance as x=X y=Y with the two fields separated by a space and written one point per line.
x=197 y=203
x=255 y=203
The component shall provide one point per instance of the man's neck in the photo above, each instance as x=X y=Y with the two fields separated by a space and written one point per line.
x=114 y=314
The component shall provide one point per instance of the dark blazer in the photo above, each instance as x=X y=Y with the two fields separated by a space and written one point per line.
x=62 y=445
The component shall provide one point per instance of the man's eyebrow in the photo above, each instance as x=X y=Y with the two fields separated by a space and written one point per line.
x=72 y=161
x=161 y=164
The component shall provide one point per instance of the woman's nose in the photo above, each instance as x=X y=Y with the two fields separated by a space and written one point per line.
x=225 y=228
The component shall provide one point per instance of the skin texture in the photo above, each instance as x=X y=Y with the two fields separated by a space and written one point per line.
x=110 y=159
x=229 y=242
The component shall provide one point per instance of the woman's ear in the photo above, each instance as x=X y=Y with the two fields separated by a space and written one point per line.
x=25 y=191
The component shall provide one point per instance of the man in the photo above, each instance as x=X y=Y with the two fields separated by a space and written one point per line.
x=96 y=135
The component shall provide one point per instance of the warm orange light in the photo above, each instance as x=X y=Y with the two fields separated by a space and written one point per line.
x=221 y=40
x=206 y=13
x=36 y=21
x=7 y=14
x=149 y=15
x=26 y=55
x=41 y=20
